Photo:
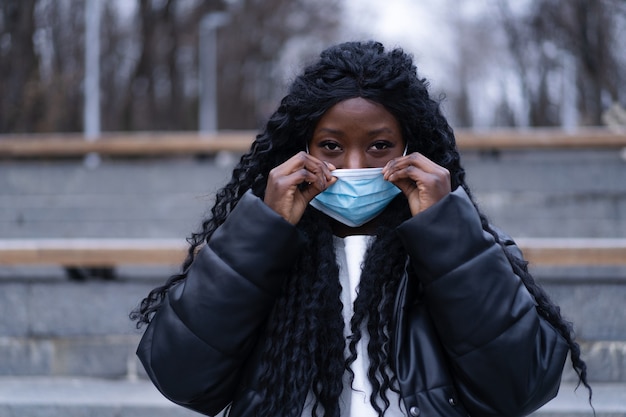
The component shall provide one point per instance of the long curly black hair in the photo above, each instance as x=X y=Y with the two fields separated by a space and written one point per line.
x=305 y=349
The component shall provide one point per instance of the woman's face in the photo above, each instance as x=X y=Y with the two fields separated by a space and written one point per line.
x=357 y=133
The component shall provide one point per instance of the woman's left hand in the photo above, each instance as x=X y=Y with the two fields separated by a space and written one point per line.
x=422 y=181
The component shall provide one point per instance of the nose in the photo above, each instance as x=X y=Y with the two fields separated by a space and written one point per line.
x=354 y=159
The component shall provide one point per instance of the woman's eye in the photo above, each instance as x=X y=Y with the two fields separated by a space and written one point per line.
x=379 y=146
x=331 y=146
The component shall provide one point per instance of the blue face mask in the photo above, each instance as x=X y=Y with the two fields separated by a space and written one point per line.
x=357 y=197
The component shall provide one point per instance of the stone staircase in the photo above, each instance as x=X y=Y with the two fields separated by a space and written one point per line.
x=80 y=397
x=67 y=346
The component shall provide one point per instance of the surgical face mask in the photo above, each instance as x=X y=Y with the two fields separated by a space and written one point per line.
x=357 y=197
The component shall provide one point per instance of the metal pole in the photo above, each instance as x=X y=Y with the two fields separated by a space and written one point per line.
x=207 y=109
x=92 y=70
x=91 y=87
x=569 y=95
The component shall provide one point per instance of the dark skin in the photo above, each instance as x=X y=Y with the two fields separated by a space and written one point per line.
x=354 y=133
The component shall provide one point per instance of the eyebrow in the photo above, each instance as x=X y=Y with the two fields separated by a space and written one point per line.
x=370 y=133
x=378 y=131
x=332 y=131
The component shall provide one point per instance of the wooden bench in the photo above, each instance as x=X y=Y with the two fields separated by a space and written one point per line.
x=574 y=251
x=147 y=144
x=95 y=252
x=143 y=144
x=108 y=253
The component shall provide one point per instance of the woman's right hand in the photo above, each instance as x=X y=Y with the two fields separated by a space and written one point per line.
x=294 y=183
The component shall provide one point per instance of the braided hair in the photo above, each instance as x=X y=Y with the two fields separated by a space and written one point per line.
x=305 y=343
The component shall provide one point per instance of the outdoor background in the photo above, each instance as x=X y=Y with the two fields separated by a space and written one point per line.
x=510 y=70
x=498 y=62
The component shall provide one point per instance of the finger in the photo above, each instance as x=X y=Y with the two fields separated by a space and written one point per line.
x=407 y=172
x=309 y=182
x=439 y=178
x=309 y=162
x=302 y=173
x=407 y=179
x=312 y=179
x=415 y=159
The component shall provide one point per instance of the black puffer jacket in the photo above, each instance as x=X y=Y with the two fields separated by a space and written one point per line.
x=472 y=345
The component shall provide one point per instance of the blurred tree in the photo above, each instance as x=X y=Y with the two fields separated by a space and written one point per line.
x=162 y=88
x=118 y=44
x=582 y=38
x=154 y=97
x=468 y=89
x=20 y=101
x=149 y=60
x=60 y=33
x=251 y=46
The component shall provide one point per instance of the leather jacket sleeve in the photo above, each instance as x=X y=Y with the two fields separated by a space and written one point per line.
x=505 y=359
x=196 y=344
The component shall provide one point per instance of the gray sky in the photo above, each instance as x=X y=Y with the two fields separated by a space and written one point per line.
x=419 y=27
x=429 y=30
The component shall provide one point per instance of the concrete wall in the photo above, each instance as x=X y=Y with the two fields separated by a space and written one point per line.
x=527 y=193
x=552 y=193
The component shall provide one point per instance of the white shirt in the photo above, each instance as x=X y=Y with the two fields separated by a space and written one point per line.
x=355 y=400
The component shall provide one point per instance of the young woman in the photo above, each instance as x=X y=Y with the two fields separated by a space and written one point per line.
x=345 y=269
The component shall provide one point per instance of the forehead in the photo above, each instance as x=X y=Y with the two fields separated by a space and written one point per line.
x=358 y=111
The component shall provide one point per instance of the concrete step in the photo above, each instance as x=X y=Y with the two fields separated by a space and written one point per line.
x=526 y=193
x=57 y=327
x=84 y=331
x=80 y=397
x=609 y=400
x=136 y=198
